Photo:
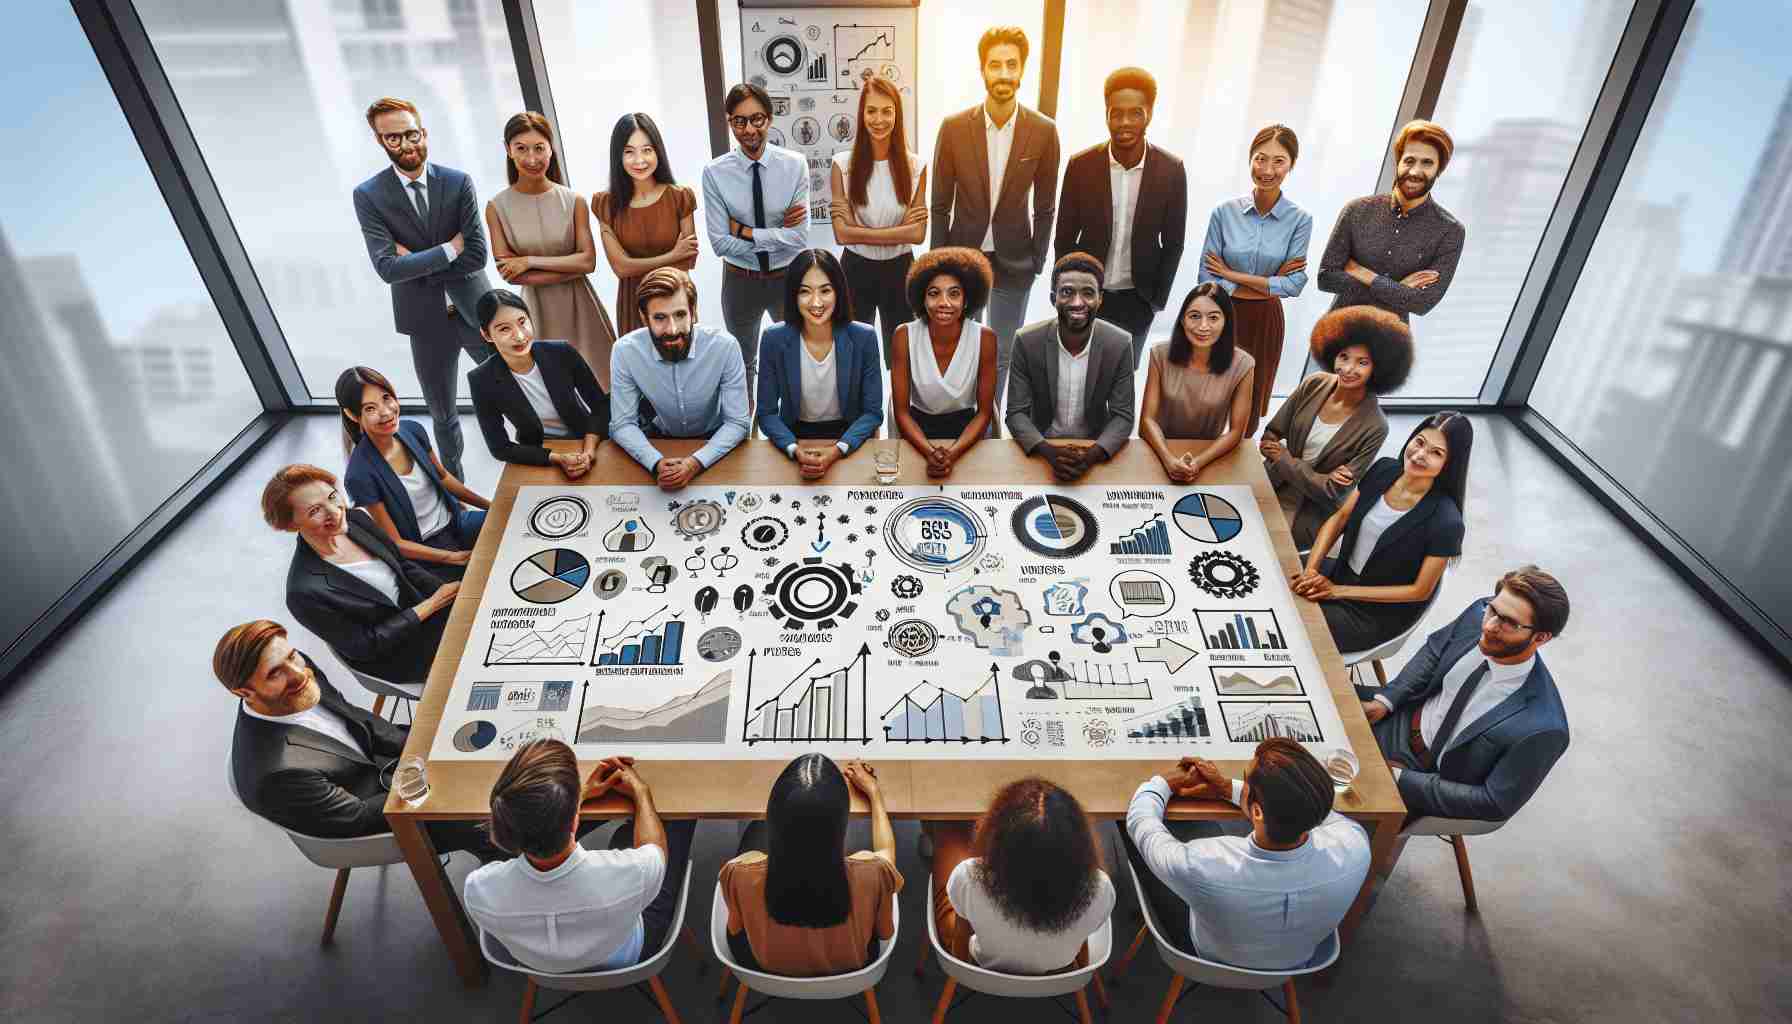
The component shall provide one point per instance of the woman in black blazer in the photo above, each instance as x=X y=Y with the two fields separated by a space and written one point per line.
x=544 y=388
x=1399 y=527
x=381 y=613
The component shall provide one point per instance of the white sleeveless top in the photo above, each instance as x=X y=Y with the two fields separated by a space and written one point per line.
x=937 y=393
x=883 y=207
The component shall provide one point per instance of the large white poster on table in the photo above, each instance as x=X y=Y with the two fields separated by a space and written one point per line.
x=887 y=622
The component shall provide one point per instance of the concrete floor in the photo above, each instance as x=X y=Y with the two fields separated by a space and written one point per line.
x=1647 y=881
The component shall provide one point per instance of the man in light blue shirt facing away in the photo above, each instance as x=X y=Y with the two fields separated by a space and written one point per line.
x=1265 y=900
x=692 y=378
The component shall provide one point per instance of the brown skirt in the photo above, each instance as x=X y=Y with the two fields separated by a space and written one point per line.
x=1258 y=328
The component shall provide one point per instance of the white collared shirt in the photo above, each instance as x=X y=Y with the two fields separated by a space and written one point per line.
x=1123 y=185
x=582 y=914
x=318 y=719
x=1073 y=382
x=410 y=195
x=999 y=142
x=1502 y=682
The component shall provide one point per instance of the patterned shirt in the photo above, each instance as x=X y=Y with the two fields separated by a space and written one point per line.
x=1393 y=243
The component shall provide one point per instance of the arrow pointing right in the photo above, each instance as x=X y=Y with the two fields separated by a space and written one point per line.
x=1166 y=652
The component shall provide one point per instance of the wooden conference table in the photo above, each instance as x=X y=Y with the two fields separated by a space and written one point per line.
x=461 y=790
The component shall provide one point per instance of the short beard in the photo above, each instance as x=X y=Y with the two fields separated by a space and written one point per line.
x=1422 y=192
x=683 y=353
x=1507 y=650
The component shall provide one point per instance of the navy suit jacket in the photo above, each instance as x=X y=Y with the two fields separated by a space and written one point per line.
x=371 y=481
x=357 y=621
x=389 y=219
x=582 y=405
x=858 y=373
x=1494 y=763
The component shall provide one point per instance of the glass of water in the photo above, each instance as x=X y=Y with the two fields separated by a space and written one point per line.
x=411 y=780
x=1341 y=764
x=887 y=457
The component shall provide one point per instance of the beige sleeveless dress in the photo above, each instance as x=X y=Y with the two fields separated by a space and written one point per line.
x=569 y=311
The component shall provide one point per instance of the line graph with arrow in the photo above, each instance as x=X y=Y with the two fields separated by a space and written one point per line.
x=817 y=705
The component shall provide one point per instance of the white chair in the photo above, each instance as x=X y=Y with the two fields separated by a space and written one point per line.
x=1374 y=655
x=647 y=971
x=1455 y=831
x=1021 y=986
x=1188 y=967
x=404 y=693
x=343 y=855
x=777 y=986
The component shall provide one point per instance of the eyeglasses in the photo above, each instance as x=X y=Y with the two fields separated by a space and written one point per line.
x=756 y=121
x=1506 y=622
x=394 y=139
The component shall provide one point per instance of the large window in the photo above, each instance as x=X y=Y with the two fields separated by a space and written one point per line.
x=1225 y=70
x=1679 y=332
x=120 y=380
x=276 y=93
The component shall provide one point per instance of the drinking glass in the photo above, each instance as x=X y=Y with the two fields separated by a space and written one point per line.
x=887 y=457
x=411 y=781
x=1341 y=764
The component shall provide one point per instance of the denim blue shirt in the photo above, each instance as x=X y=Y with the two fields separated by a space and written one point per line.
x=1253 y=243
x=728 y=192
x=1251 y=907
x=703 y=395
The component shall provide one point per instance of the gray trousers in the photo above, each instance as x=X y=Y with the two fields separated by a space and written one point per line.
x=435 y=353
x=745 y=301
x=1006 y=312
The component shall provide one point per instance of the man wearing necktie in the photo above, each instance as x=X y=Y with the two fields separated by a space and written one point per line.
x=1474 y=722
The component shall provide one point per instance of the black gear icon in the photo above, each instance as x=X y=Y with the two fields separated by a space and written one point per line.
x=1223 y=574
x=906 y=587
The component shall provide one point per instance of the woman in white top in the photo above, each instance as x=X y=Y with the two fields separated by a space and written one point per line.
x=1023 y=893
x=544 y=389
x=819 y=375
x=395 y=476
x=943 y=364
x=879 y=209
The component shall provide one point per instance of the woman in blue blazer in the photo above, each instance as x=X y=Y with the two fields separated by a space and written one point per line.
x=544 y=388
x=820 y=375
x=394 y=475
x=1399 y=527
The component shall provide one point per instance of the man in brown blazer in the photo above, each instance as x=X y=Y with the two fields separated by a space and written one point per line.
x=1001 y=142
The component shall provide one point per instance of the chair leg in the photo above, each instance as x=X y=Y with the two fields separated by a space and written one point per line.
x=871 y=1006
x=945 y=1003
x=921 y=964
x=336 y=894
x=528 y=1002
x=727 y=976
x=665 y=1001
x=1292 y=1000
x=1082 y=1006
x=1468 y=878
x=1381 y=674
x=740 y=1004
x=1120 y=968
x=1176 y=983
x=379 y=703
x=690 y=939
x=1101 y=991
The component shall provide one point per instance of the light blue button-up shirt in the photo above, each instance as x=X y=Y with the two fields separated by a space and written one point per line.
x=1253 y=243
x=703 y=395
x=1251 y=907
x=728 y=192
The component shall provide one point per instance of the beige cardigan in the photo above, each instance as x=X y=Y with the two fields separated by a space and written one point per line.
x=1307 y=494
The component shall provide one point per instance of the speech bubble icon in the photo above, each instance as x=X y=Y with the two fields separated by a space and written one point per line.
x=1141 y=593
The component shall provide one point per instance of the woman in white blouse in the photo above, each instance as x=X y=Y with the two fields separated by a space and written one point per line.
x=544 y=389
x=819 y=375
x=879 y=209
x=943 y=363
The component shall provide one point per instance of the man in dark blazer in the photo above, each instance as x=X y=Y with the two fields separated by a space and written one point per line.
x=1072 y=376
x=305 y=758
x=985 y=162
x=424 y=234
x=1473 y=723
x=1140 y=243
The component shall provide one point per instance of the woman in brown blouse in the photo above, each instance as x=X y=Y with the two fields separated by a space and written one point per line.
x=646 y=219
x=1198 y=385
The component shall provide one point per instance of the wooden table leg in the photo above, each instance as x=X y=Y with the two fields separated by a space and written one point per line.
x=1381 y=845
x=439 y=896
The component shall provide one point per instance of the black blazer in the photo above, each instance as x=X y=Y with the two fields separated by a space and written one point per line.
x=1432 y=527
x=305 y=781
x=1160 y=217
x=497 y=397
x=357 y=620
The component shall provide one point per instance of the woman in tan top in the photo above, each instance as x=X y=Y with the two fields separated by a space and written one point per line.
x=797 y=904
x=1198 y=386
x=541 y=239
x=647 y=220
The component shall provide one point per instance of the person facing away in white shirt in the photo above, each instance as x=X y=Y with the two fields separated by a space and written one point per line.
x=558 y=907
x=1266 y=900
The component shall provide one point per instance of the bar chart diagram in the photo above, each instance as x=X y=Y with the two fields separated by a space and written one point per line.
x=1104 y=682
x=1249 y=630
x=931 y=714
x=1254 y=722
x=640 y=644
x=1183 y=721
x=817 y=705
x=1152 y=538
x=562 y=645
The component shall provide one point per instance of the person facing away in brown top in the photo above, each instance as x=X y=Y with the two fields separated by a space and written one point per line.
x=797 y=904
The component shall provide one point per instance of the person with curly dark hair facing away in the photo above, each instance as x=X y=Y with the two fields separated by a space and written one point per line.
x=943 y=363
x=1325 y=435
x=1024 y=891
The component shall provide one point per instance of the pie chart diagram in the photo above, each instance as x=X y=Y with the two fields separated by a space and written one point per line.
x=1054 y=526
x=936 y=534
x=475 y=735
x=551 y=576
x=1207 y=518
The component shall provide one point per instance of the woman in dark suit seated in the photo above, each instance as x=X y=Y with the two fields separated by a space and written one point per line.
x=1399 y=527
x=545 y=389
x=1325 y=435
x=943 y=363
x=394 y=475
x=379 y=612
x=820 y=375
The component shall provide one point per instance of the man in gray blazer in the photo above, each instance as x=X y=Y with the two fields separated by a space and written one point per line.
x=985 y=162
x=1072 y=376
x=1473 y=723
x=424 y=235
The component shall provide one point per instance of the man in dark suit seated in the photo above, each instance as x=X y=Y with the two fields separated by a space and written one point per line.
x=303 y=756
x=1473 y=723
